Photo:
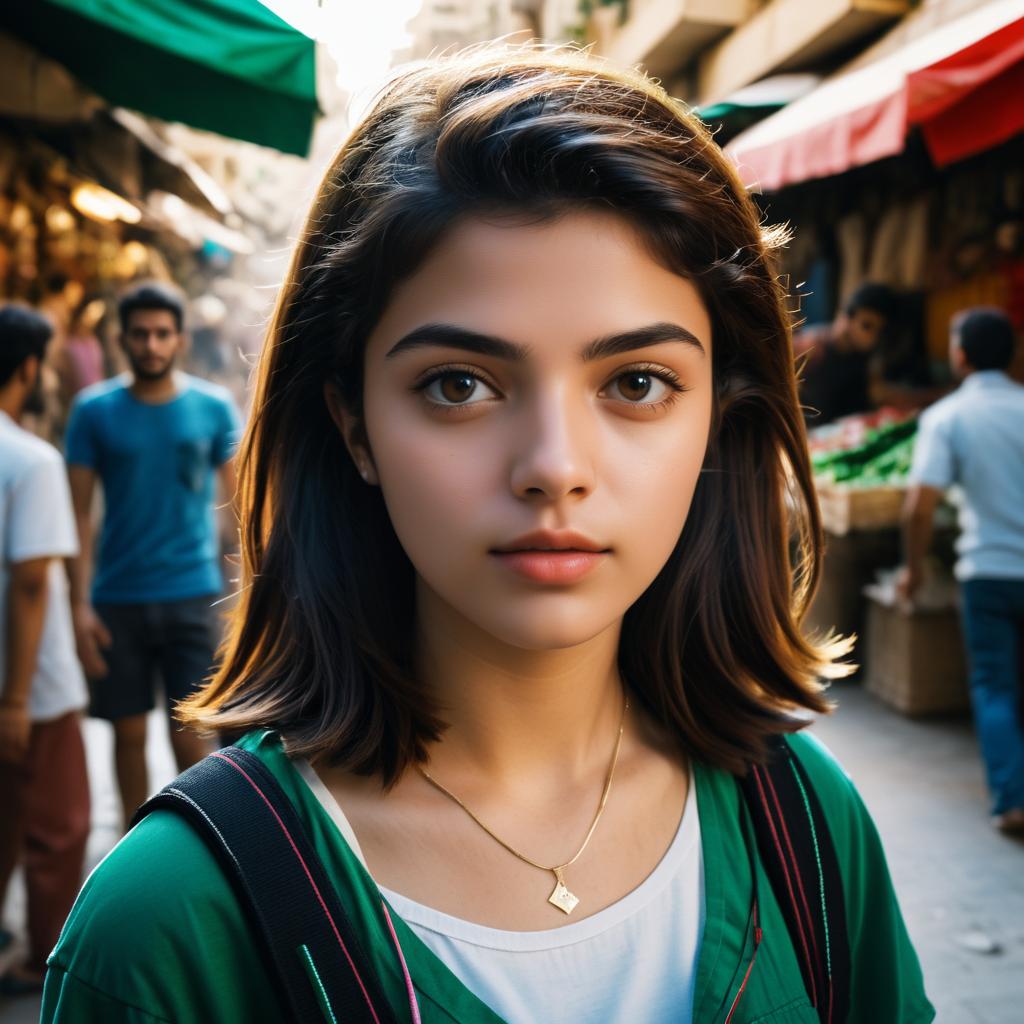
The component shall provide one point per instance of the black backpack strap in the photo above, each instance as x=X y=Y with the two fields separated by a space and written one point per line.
x=234 y=802
x=799 y=857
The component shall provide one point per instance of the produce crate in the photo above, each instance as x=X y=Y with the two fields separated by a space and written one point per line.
x=914 y=662
x=845 y=507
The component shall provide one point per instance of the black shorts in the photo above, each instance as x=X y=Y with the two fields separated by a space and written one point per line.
x=170 y=641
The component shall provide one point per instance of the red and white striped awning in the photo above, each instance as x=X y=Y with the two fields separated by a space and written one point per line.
x=962 y=84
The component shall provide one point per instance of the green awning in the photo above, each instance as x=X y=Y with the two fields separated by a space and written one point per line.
x=228 y=66
x=761 y=97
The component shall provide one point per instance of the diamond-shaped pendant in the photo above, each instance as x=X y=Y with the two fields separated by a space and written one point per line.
x=562 y=898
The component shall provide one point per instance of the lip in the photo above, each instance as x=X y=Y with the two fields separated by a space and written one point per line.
x=551 y=540
x=551 y=556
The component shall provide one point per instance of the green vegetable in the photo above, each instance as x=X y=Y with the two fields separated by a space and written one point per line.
x=884 y=458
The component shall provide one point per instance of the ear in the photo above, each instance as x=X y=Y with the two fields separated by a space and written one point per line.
x=958 y=360
x=353 y=432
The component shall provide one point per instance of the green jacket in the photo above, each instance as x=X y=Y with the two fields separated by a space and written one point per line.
x=156 y=933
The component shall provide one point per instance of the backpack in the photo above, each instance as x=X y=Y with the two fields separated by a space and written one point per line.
x=237 y=806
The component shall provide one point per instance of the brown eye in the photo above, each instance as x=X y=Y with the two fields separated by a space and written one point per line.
x=635 y=387
x=641 y=387
x=457 y=387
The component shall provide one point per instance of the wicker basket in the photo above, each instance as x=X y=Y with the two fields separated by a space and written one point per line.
x=915 y=662
x=845 y=507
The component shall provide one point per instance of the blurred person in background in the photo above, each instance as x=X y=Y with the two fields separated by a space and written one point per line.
x=975 y=438
x=82 y=361
x=47 y=415
x=154 y=439
x=44 y=794
x=61 y=296
x=840 y=372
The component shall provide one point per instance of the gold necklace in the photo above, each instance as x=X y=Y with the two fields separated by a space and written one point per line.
x=560 y=897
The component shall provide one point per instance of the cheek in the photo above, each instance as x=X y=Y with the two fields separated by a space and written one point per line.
x=434 y=482
x=654 y=486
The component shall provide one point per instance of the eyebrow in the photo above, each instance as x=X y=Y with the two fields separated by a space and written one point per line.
x=441 y=335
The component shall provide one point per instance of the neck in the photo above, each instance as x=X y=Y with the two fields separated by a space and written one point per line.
x=11 y=404
x=154 y=390
x=517 y=717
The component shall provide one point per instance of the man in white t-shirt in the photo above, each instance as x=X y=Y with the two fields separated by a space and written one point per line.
x=975 y=438
x=44 y=794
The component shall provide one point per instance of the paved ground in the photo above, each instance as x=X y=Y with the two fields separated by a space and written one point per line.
x=960 y=884
x=105 y=825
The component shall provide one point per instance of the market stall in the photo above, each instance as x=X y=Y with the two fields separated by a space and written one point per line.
x=909 y=657
x=904 y=169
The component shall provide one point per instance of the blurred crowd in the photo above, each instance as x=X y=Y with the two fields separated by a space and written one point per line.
x=84 y=350
x=111 y=565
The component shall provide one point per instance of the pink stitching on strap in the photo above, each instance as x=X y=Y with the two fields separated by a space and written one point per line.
x=414 y=1008
x=796 y=867
x=789 y=885
x=320 y=898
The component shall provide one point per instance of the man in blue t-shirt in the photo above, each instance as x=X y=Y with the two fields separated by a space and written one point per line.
x=154 y=439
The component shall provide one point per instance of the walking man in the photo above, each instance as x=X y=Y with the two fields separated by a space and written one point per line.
x=44 y=792
x=154 y=439
x=975 y=438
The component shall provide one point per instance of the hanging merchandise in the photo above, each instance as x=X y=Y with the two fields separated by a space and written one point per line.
x=899 y=247
x=852 y=243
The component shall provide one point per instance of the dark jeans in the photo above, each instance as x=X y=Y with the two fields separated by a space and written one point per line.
x=993 y=620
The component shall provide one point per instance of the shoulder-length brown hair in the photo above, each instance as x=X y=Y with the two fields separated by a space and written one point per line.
x=320 y=644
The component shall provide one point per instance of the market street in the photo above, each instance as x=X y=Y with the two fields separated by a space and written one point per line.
x=960 y=884
x=594 y=368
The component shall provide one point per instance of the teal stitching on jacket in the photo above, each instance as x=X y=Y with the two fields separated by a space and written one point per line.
x=325 y=1003
x=817 y=857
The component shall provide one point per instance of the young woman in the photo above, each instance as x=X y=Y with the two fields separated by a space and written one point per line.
x=518 y=606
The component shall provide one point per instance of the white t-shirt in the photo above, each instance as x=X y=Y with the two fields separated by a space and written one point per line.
x=633 y=961
x=37 y=520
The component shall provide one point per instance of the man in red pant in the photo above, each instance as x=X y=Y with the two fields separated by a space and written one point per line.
x=44 y=794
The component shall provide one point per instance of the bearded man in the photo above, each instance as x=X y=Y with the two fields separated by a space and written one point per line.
x=154 y=439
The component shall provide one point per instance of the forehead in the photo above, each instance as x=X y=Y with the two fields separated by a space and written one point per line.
x=558 y=282
x=152 y=320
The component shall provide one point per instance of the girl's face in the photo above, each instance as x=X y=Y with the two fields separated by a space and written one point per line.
x=537 y=405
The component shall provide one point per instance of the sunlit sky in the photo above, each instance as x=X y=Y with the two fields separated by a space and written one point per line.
x=359 y=34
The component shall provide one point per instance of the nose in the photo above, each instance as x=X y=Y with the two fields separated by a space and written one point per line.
x=552 y=454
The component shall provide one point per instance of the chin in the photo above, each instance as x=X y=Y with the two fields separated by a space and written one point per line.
x=144 y=374
x=546 y=627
